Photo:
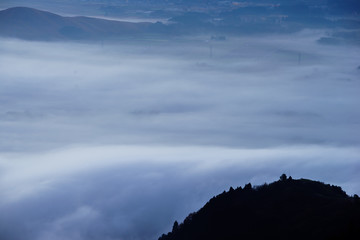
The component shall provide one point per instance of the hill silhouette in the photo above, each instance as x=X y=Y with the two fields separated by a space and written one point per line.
x=32 y=24
x=285 y=209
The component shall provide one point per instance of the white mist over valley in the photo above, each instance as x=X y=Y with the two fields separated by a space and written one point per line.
x=108 y=139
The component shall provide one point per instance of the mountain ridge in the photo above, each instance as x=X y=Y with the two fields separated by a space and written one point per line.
x=285 y=209
x=33 y=24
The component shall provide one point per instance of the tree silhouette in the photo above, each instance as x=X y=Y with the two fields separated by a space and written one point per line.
x=248 y=186
x=283 y=177
x=175 y=226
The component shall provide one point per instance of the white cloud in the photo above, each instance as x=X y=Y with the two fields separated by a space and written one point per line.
x=122 y=133
x=67 y=226
x=120 y=189
x=252 y=93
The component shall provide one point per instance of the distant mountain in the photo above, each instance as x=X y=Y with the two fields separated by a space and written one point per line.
x=257 y=17
x=286 y=209
x=33 y=24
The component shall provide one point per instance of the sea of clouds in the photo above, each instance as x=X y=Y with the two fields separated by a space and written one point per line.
x=117 y=140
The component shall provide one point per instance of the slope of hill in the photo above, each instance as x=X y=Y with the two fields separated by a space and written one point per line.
x=286 y=209
x=33 y=24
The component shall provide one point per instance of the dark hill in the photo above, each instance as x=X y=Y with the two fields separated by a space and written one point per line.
x=33 y=24
x=286 y=209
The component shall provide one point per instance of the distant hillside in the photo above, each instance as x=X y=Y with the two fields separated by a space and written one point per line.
x=33 y=24
x=286 y=209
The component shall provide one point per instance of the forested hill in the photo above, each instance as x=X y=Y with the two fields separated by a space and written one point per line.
x=285 y=209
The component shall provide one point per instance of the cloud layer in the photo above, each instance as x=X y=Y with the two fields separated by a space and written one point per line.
x=252 y=92
x=136 y=192
x=116 y=141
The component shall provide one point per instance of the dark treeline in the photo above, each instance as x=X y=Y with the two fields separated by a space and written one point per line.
x=285 y=209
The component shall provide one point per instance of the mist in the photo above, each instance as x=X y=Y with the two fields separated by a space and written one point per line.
x=244 y=92
x=116 y=140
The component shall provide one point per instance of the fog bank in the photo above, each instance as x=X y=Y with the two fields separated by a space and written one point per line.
x=118 y=140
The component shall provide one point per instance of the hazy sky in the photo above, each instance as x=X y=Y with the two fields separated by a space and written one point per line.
x=116 y=141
